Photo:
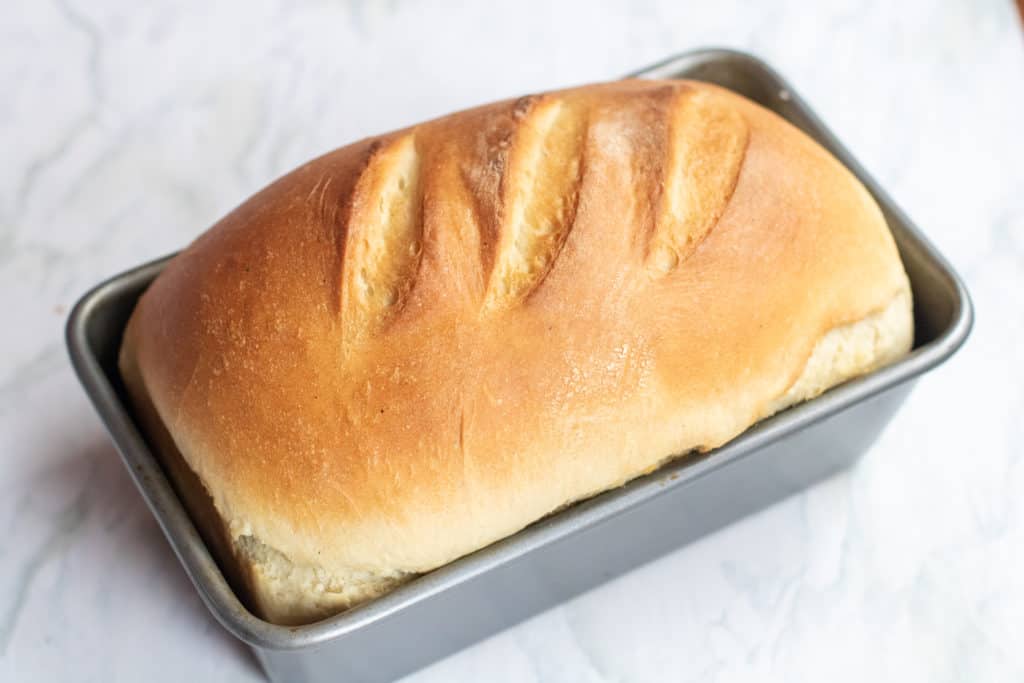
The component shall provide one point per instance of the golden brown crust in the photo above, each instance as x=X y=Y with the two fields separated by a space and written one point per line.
x=418 y=344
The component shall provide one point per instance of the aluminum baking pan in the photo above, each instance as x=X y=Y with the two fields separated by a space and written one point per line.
x=590 y=542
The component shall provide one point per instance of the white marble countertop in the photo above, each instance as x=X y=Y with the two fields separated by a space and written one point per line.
x=126 y=128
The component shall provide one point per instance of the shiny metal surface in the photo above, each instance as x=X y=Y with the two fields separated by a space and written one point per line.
x=590 y=542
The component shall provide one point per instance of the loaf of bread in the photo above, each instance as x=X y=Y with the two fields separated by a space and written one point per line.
x=422 y=342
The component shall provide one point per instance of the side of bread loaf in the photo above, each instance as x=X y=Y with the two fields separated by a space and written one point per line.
x=421 y=343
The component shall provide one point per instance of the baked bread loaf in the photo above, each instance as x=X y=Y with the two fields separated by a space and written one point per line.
x=422 y=342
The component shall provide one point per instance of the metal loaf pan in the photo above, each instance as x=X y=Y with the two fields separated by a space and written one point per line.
x=588 y=543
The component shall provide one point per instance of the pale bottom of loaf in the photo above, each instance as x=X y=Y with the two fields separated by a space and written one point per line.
x=286 y=593
x=271 y=585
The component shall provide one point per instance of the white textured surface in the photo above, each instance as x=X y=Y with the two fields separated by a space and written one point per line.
x=128 y=127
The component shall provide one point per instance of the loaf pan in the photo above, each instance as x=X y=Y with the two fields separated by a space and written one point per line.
x=590 y=542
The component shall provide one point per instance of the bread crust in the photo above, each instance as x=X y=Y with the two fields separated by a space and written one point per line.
x=418 y=344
